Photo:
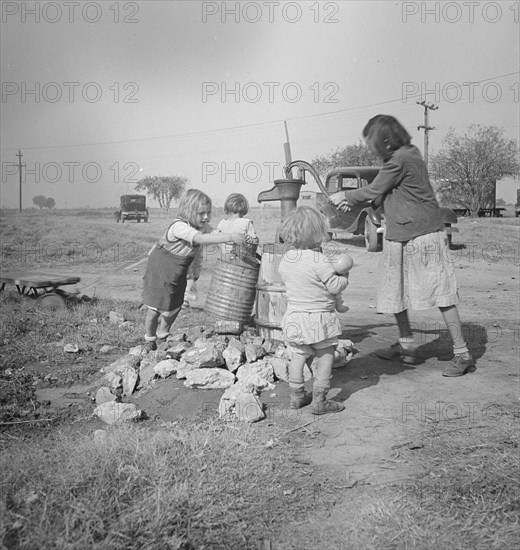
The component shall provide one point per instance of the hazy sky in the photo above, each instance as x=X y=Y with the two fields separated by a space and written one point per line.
x=99 y=94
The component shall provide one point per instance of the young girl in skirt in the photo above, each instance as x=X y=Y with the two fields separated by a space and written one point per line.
x=310 y=324
x=416 y=269
x=165 y=276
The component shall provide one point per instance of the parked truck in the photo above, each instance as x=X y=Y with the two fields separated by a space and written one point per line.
x=133 y=207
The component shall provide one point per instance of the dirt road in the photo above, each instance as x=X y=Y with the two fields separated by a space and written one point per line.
x=387 y=404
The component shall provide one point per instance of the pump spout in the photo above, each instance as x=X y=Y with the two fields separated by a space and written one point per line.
x=285 y=191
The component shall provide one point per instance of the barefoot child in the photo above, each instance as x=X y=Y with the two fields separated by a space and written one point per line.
x=417 y=273
x=168 y=262
x=310 y=324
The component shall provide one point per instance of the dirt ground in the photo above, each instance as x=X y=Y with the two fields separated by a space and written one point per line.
x=387 y=404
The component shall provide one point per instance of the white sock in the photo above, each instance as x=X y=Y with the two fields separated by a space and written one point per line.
x=461 y=351
x=407 y=342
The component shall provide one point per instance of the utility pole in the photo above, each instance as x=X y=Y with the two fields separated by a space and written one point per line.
x=427 y=129
x=19 y=155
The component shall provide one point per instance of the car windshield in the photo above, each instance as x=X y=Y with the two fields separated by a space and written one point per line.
x=339 y=183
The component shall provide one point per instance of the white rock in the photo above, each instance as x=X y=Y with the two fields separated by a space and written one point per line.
x=71 y=348
x=166 y=368
x=233 y=357
x=104 y=395
x=240 y=404
x=146 y=374
x=115 y=318
x=136 y=350
x=183 y=368
x=112 y=413
x=280 y=367
x=100 y=435
x=130 y=377
x=260 y=368
x=254 y=352
x=209 y=378
x=114 y=380
x=128 y=361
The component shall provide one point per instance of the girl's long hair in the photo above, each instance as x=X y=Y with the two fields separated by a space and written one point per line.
x=304 y=228
x=190 y=203
x=385 y=134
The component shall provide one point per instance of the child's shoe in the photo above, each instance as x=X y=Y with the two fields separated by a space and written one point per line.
x=300 y=398
x=406 y=354
x=460 y=365
x=320 y=405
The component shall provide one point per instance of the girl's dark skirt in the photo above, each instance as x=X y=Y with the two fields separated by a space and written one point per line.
x=165 y=280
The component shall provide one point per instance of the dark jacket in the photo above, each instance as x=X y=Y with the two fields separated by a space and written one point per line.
x=411 y=208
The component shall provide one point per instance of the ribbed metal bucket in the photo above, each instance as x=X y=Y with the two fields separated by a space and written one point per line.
x=232 y=290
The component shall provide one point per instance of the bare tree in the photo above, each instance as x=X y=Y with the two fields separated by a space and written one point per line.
x=163 y=189
x=467 y=167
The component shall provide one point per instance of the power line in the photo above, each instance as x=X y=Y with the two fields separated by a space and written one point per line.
x=243 y=126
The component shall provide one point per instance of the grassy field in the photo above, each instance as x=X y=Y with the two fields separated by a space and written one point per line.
x=204 y=484
x=69 y=239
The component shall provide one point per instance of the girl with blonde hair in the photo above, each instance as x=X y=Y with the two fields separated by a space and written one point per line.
x=310 y=324
x=169 y=260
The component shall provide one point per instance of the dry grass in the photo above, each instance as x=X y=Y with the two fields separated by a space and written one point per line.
x=469 y=497
x=183 y=486
x=489 y=239
x=204 y=484
x=70 y=239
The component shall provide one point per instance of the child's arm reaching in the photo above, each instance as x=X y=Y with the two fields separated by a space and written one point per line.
x=251 y=236
x=219 y=238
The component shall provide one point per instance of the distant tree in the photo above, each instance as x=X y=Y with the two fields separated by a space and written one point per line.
x=163 y=189
x=351 y=155
x=501 y=202
x=467 y=167
x=40 y=201
x=50 y=203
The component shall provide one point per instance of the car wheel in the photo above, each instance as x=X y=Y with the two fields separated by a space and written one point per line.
x=372 y=240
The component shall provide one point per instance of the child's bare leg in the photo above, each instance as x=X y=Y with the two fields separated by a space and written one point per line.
x=165 y=323
x=296 y=381
x=463 y=362
x=321 y=386
x=150 y=323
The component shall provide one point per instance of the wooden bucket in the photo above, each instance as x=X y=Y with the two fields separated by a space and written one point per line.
x=232 y=290
x=271 y=299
